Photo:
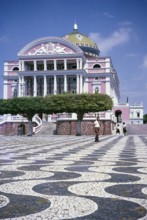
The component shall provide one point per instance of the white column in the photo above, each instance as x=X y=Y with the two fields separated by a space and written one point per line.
x=35 y=86
x=77 y=84
x=22 y=86
x=108 y=87
x=77 y=63
x=80 y=63
x=20 y=66
x=85 y=89
x=55 y=64
x=45 y=65
x=81 y=84
x=65 y=83
x=45 y=86
x=5 y=89
x=23 y=66
x=65 y=64
x=19 y=86
x=35 y=65
x=55 y=84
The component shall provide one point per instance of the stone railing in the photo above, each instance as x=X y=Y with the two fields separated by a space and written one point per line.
x=20 y=119
x=39 y=124
x=12 y=118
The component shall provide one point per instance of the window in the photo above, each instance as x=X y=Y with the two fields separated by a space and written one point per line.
x=74 y=66
x=15 y=93
x=15 y=69
x=97 y=66
x=138 y=114
x=131 y=114
x=96 y=89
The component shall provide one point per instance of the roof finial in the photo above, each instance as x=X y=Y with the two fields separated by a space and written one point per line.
x=75 y=27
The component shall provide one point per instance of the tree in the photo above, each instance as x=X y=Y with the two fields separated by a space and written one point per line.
x=70 y=103
x=78 y=103
x=26 y=106
x=145 y=119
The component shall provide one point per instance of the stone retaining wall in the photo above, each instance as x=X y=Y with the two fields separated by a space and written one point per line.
x=63 y=127
x=11 y=128
x=69 y=127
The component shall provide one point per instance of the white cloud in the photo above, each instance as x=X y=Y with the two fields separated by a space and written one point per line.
x=144 y=64
x=125 y=23
x=3 y=39
x=133 y=54
x=108 y=15
x=138 y=77
x=118 y=37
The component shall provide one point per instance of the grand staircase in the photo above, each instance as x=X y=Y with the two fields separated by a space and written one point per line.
x=47 y=128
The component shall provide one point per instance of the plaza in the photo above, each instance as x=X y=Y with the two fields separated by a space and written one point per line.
x=72 y=177
x=68 y=64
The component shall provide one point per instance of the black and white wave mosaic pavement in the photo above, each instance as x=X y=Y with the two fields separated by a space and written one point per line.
x=69 y=177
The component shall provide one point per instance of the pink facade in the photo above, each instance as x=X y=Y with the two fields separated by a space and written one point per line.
x=52 y=65
x=123 y=111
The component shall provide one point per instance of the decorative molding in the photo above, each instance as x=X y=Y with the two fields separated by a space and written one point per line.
x=57 y=44
x=50 y=48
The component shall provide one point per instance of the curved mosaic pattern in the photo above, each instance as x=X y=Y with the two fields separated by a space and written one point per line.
x=69 y=177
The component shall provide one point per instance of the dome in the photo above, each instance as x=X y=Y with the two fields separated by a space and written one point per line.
x=88 y=46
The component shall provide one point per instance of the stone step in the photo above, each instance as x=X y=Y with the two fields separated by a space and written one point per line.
x=48 y=128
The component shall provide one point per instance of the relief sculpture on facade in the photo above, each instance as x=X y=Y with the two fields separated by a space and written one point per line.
x=50 y=48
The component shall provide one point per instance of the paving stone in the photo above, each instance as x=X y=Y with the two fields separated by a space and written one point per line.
x=68 y=177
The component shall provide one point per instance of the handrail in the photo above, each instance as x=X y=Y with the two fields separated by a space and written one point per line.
x=20 y=118
x=12 y=118
x=38 y=122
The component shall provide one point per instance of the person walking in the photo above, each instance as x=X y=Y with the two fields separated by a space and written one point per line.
x=117 y=129
x=124 y=129
x=97 y=129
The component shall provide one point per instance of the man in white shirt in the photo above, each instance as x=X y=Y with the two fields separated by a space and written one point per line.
x=97 y=129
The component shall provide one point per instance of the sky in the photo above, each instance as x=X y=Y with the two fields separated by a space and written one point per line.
x=119 y=27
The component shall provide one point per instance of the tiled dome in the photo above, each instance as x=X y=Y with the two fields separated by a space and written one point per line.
x=88 y=46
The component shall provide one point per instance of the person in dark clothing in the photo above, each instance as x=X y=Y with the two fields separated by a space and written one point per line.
x=117 y=129
x=124 y=129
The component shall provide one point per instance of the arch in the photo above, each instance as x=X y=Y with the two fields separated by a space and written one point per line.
x=97 y=89
x=21 y=130
x=97 y=66
x=118 y=114
x=49 y=40
x=15 y=69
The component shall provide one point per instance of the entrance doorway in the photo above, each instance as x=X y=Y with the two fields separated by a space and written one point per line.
x=118 y=116
x=21 y=130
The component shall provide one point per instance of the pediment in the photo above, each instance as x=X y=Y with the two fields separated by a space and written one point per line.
x=49 y=46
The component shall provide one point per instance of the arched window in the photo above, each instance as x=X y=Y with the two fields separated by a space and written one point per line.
x=96 y=89
x=131 y=114
x=15 y=93
x=97 y=66
x=15 y=69
x=138 y=114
